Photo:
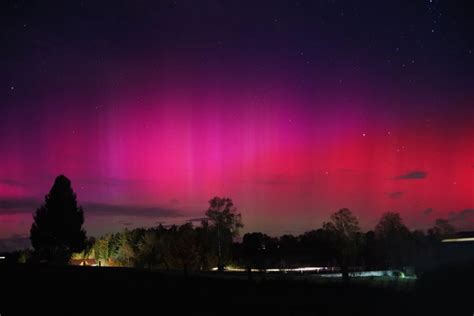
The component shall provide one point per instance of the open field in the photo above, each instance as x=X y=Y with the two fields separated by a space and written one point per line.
x=108 y=290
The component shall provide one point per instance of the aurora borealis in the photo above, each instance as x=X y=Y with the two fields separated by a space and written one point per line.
x=294 y=109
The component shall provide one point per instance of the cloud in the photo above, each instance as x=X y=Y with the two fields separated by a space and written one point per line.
x=11 y=182
x=346 y=170
x=280 y=179
x=15 y=242
x=413 y=175
x=174 y=201
x=274 y=179
x=198 y=219
x=103 y=209
x=105 y=181
x=18 y=205
x=395 y=195
x=291 y=232
x=463 y=217
x=428 y=211
x=9 y=206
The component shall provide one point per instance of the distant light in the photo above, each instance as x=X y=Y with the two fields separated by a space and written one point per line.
x=363 y=134
x=302 y=269
x=458 y=239
x=2 y=257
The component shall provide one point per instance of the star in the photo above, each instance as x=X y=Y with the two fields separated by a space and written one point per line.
x=364 y=134
x=12 y=87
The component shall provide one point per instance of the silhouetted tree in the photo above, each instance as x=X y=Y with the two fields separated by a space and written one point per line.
x=318 y=246
x=288 y=249
x=344 y=227
x=442 y=229
x=421 y=249
x=57 y=230
x=148 y=249
x=88 y=252
x=24 y=256
x=126 y=251
x=101 y=248
x=167 y=240
x=369 y=251
x=185 y=247
x=257 y=249
x=207 y=257
x=226 y=223
x=392 y=239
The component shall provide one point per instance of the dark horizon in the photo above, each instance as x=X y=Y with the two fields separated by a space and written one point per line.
x=22 y=242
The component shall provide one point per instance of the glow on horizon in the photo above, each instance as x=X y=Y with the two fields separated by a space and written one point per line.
x=176 y=152
x=294 y=110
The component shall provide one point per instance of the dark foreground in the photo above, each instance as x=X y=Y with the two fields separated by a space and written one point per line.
x=41 y=290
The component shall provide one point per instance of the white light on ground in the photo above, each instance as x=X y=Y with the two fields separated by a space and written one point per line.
x=458 y=239
x=302 y=269
x=366 y=274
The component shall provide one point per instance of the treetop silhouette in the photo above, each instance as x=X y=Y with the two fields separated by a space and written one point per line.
x=57 y=230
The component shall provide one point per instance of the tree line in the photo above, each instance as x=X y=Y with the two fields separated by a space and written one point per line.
x=183 y=247
x=57 y=236
x=341 y=243
x=338 y=243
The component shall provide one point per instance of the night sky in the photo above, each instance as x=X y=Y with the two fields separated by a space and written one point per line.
x=294 y=109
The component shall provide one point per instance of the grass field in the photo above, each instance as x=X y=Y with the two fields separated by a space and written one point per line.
x=107 y=291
